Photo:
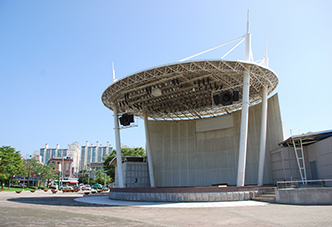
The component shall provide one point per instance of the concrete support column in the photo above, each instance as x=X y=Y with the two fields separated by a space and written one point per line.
x=241 y=172
x=262 y=147
x=118 y=146
x=148 y=151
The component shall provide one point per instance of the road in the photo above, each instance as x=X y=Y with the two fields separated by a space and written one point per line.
x=47 y=209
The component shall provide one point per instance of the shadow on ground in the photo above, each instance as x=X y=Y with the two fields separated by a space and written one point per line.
x=54 y=201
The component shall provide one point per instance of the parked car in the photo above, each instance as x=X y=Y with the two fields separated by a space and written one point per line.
x=97 y=186
x=105 y=188
x=77 y=187
x=53 y=186
x=87 y=187
x=66 y=187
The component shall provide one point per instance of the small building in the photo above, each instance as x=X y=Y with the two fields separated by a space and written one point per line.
x=93 y=166
x=72 y=150
x=63 y=164
x=303 y=157
x=135 y=171
x=96 y=165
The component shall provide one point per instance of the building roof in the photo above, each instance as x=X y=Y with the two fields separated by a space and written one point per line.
x=95 y=164
x=128 y=159
x=186 y=90
x=61 y=158
x=307 y=138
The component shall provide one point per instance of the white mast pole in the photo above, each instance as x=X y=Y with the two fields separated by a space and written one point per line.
x=113 y=73
x=245 y=112
x=262 y=147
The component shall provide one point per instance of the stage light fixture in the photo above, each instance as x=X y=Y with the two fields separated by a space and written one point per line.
x=126 y=119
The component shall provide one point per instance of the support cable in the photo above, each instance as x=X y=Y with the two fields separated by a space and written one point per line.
x=212 y=49
x=232 y=49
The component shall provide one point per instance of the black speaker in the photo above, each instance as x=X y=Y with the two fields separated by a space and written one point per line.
x=235 y=96
x=216 y=99
x=126 y=119
x=226 y=98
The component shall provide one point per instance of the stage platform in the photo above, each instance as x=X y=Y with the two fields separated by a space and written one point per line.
x=187 y=194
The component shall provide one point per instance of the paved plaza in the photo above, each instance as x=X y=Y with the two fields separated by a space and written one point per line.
x=74 y=209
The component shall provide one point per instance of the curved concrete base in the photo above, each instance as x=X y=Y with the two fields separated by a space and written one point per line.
x=203 y=194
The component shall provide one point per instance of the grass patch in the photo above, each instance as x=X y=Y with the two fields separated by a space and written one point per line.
x=13 y=189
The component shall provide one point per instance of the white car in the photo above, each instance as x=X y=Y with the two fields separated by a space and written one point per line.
x=87 y=187
x=66 y=187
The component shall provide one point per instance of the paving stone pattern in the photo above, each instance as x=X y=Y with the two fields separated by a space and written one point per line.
x=46 y=209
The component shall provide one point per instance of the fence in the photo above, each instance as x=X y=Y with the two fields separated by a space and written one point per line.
x=307 y=184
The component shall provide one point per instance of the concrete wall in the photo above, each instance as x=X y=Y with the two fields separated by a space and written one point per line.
x=321 y=152
x=284 y=164
x=311 y=196
x=185 y=156
x=135 y=174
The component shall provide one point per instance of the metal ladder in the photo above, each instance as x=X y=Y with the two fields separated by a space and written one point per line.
x=298 y=149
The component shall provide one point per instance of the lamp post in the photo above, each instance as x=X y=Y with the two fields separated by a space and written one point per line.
x=104 y=179
x=59 y=175
x=89 y=174
x=62 y=164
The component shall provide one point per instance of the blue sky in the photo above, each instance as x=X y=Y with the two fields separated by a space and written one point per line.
x=56 y=60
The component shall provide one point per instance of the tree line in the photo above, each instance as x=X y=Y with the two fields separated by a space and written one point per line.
x=13 y=165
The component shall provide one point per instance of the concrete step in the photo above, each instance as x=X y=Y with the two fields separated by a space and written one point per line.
x=271 y=198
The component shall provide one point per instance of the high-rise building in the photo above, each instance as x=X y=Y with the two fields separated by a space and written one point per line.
x=81 y=155
x=94 y=153
x=36 y=155
x=48 y=153
x=72 y=151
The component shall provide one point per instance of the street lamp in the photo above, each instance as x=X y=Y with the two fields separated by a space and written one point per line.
x=89 y=175
x=105 y=178
x=59 y=174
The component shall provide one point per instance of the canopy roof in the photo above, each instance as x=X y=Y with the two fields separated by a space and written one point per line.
x=185 y=90
x=307 y=138
x=113 y=162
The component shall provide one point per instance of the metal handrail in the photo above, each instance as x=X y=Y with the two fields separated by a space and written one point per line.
x=299 y=183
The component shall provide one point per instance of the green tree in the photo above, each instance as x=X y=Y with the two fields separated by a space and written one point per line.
x=83 y=176
x=101 y=177
x=44 y=172
x=11 y=163
x=110 y=170
x=99 y=173
x=30 y=167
